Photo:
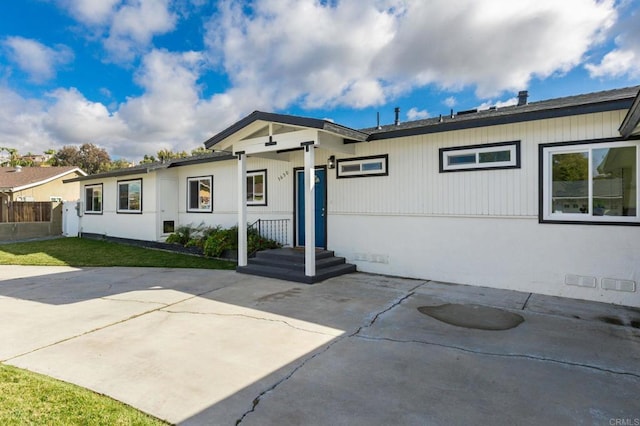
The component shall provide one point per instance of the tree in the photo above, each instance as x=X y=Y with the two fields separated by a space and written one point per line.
x=13 y=157
x=163 y=155
x=199 y=151
x=88 y=157
x=148 y=159
x=167 y=154
x=50 y=154
x=570 y=167
x=120 y=163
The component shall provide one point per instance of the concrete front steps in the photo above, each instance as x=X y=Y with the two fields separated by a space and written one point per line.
x=288 y=264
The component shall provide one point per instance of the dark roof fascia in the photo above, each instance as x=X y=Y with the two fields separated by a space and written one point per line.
x=516 y=117
x=293 y=120
x=152 y=167
x=202 y=159
x=120 y=172
x=632 y=119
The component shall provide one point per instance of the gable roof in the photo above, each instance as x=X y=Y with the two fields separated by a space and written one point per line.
x=292 y=120
x=608 y=100
x=14 y=179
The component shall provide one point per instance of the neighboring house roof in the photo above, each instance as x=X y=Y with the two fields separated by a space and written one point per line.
x=13 y=179
x=602 y=188
x=158 y=165
x=631 y=123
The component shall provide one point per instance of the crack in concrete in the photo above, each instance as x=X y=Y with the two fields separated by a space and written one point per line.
x=524 y=305
x=104 y=327
x=144 y=302
x=504 y=355
x=397 y=301
x=249 y=317
x=271 y=388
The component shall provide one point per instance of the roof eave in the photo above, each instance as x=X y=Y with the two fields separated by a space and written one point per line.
x=631 y=123
x=515 y=117
x=47 y=180
x=115 y=173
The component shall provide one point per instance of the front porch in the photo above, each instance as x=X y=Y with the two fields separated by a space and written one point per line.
x=281 y=138
x=288 y=264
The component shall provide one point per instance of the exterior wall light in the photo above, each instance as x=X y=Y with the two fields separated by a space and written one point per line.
x=331 y=162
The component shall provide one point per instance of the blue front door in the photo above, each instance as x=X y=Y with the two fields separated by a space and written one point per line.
x=321 y=208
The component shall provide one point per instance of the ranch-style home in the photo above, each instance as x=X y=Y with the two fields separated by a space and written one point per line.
x=538 y=197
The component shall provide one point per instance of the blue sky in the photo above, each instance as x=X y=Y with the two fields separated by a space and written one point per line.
x=137 y=76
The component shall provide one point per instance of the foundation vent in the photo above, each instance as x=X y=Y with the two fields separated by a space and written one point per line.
x=618 y=285
x=580 y=280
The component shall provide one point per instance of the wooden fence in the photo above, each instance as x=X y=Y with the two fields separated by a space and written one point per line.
x=26 y=211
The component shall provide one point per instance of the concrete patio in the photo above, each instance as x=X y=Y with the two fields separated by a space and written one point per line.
x=221 y=348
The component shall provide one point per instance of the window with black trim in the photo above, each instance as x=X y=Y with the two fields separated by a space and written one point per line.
x=590 y=182
x=130 y=196
x=93 y=199
x=502 y=155
x=200 y=194
x=257 y=188
x=377 y=165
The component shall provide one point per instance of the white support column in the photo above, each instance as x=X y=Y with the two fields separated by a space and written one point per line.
x=242 y=209
x=309 y=211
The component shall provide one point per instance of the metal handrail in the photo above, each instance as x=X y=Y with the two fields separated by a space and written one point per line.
x=273 y=229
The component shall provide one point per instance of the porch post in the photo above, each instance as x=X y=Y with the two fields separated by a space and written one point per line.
x=309 y=211
x=242 y=209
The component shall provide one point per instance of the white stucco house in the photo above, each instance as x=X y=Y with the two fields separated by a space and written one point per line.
x=538 y=197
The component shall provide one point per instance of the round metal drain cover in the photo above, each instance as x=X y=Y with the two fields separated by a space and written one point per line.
x=473 y=316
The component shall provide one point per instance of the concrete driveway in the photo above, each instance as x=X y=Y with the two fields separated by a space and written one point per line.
x=220 y=348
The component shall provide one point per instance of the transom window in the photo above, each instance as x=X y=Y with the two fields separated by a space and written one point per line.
x=257 y=188
x=93 y=199
x=503 y=155
x=595 y=182
x=363 y=166
x=130 y=196
x=199 y=194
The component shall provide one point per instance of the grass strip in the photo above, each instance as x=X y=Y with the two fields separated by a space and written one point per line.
x=86 y=252
x=28 y=398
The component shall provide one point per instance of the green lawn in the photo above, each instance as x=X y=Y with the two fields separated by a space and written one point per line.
x=28 y=398
x=86 y=252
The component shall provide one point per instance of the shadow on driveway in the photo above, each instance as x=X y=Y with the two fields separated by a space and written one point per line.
x=217 y=347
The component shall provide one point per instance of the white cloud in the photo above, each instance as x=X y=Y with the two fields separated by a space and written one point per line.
x=73 y=119
x=126 y=27
x=315 y=54
x=166 y=109
x=21 y=122
x=624 y=60
x=303 y=51
x=169 y=114
x=134 y=24
x=90 y=11
x=415 y=114
x=498 y=104
x=360 y=54
x=36 y=59
x=450 y=102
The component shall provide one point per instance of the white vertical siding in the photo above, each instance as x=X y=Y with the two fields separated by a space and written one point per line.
x=415 y=186
x=123 y=225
